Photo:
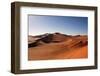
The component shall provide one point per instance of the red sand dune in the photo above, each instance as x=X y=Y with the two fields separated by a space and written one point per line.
x=57 y=46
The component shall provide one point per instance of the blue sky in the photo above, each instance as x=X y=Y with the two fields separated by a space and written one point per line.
x=39 y=24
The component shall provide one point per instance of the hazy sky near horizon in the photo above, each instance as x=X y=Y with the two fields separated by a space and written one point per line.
x=39 y=24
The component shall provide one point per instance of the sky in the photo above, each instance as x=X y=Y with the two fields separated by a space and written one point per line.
x=70 y=25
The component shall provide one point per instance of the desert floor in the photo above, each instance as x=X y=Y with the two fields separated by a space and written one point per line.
x=57 y=51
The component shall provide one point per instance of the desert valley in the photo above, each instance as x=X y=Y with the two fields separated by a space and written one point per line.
x=57 y=46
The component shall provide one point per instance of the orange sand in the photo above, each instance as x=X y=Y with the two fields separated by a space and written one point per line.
x=56 y=51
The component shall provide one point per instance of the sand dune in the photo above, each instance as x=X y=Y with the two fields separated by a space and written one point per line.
x=57 y=46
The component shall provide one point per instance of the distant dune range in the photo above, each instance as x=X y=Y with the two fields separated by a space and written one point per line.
x=57 y=46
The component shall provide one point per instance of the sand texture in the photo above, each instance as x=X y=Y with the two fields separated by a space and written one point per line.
x=57 y=46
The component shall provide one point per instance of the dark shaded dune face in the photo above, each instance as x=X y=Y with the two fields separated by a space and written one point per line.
x=47 y=39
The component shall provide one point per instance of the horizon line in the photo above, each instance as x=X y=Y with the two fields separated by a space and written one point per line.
x=56 y=32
